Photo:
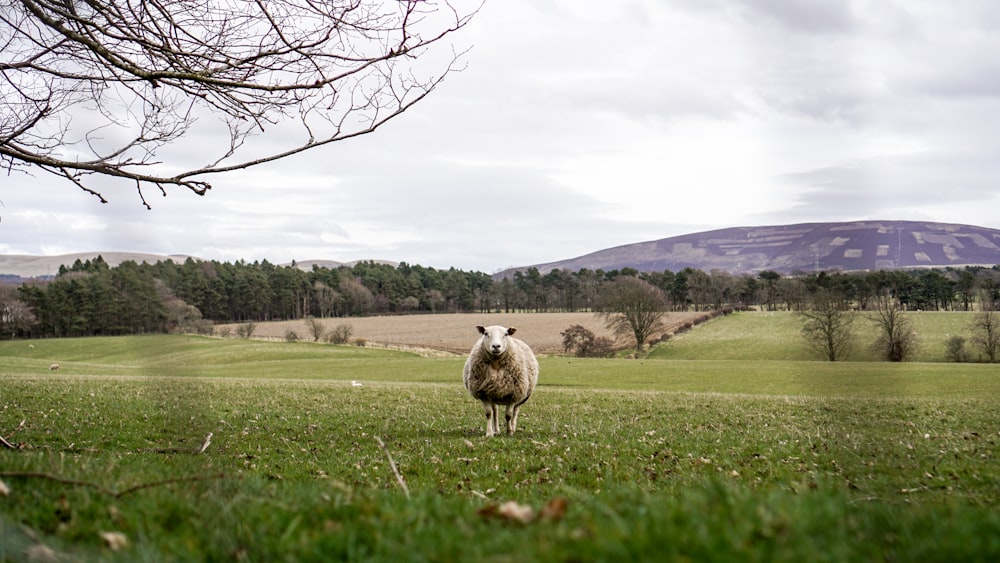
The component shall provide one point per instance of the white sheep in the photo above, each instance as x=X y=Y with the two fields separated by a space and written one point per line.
x=500 y=370
x=53 y=367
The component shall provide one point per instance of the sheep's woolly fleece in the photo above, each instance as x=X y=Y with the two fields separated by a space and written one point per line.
x=500 y=370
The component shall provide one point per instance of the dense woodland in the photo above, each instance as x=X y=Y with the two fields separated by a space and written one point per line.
x=91 y=298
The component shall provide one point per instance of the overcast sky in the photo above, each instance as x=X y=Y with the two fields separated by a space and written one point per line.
x=582 y=125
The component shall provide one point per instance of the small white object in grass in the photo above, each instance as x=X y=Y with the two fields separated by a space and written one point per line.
x=205 y=444
x=356 y=383
x=115 y=541
x=515 y=512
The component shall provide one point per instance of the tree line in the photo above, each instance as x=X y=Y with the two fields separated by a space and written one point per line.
x=92 y=298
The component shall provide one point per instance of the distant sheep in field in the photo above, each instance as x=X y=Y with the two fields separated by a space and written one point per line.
x=501 y=370
x=53 y=367
x=31 y=346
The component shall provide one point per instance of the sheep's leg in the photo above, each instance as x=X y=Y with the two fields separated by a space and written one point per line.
x=491 y=419
x=512 y=411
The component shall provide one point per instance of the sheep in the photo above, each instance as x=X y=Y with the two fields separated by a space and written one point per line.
x=500 y=370
x=53 y=367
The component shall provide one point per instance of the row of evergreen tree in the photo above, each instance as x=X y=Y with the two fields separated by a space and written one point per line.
x=92 y=298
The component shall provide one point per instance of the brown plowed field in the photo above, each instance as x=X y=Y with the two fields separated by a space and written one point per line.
x=457 y=332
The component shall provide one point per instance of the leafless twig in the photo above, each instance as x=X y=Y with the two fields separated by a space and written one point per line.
x=5 y=442
x=392 y=465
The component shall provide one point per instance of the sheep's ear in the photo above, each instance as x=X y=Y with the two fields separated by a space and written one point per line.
x=511 y=331
x=481 y=328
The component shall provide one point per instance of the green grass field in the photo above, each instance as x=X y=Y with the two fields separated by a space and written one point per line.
x=756 y=457
x=777 y=336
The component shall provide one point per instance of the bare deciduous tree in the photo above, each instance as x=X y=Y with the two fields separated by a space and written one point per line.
x=246 y=329
x=356 y=299
x=340 y=334
x=325 y=298
x=986 y=334
x=585 y=344
x=827 y=326
x=16 y=317
x=96 y=90
x=315 y=328
x=635 y=307
x=896 y=341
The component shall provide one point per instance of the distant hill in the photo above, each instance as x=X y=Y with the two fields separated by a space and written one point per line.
x=307 y=265
x=15 y=268
x=25 y=266
x=786 y=249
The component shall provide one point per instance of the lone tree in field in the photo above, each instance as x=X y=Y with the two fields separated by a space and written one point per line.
x=631 y=306
x=828 y=326
x=315 y=327
x=986 y=334
x=896 y=341
x=98 y=90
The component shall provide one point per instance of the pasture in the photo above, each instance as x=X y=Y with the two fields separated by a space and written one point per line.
x=653 y=459
x=777 y=336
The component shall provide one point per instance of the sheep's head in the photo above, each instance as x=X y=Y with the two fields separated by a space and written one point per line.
x=495 y=339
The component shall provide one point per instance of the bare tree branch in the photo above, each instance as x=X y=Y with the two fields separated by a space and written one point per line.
x=97 y=90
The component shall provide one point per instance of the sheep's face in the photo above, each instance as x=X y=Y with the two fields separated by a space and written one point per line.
x=495 y=339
